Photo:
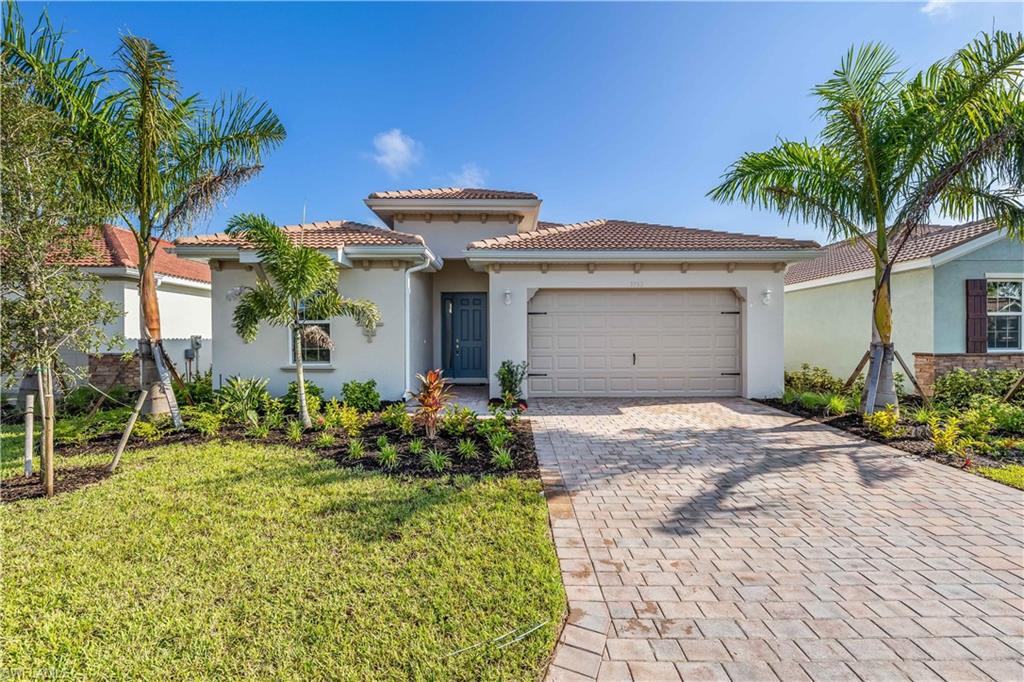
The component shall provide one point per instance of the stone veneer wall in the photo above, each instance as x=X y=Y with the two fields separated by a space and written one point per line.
x=108 y=369
x=930 y=366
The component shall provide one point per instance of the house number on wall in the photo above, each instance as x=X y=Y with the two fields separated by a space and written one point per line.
x=636 y=284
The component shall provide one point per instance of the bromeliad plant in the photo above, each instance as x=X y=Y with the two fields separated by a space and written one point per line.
x=296 y=283
x=433 y=396
x=895 y=150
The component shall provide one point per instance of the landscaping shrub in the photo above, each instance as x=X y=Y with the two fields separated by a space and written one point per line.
x=502 y=459
x=924 y=415
x=812 y=379
x=388 y=457
x=467 y=449
x=397 y=417
x=293 y=430
x=416 y=446
x=202 y=420
x=946 y=436
x=437 y=461
x=352 y=421
x=147 y=430
x=258 y=430
x=1004 y=416
x=977 y=423
x=362 y=395
x=199 y=390
x=356 y=449
x=885 y=423
x=242 y=400
x=510 y=377
x=840 y=404
x=810 y=400
x=790 y=396
x=324 y=439
x=456 y=421
x=79 y=400
x=956 y=388
x=314 y=398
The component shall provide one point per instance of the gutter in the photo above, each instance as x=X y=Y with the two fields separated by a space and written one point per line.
x=428 y=260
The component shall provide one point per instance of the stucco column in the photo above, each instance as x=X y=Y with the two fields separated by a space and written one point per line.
x=506 y=334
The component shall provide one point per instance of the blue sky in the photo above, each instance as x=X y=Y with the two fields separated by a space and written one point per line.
x=604 y=110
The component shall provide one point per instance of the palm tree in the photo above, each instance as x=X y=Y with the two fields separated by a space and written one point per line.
x=893 y=151
x=166 y=159
x=296 y=283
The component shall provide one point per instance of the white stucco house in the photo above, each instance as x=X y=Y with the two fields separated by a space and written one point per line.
x=467 y=278
x=956 y=297
x=184 y=295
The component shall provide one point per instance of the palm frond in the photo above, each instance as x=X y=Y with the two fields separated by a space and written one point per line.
x=256 y=304
x=204 y=193
x=798 y=181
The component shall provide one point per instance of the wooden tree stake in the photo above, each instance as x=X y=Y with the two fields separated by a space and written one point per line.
x=128 y=430
x=857 y=371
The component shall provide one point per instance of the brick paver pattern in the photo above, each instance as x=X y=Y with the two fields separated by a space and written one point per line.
x=724 y=540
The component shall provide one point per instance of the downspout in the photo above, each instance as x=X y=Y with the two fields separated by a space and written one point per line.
x=427 y=262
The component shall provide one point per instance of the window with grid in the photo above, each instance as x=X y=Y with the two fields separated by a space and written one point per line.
x=1003 y=307
x=311 y=354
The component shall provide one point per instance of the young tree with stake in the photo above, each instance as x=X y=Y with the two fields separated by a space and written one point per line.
x=894 y=150
x=164 y=160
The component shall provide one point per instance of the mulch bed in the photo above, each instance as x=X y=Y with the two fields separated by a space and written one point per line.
x=522 y=448
x=914 y=441
x=66 y=479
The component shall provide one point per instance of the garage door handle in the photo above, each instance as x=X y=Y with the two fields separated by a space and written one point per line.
x=730 y=374
x=634 y=359
x=536 y=374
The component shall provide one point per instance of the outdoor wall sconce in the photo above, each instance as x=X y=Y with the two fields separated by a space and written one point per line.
x=766 y=296
x=508 y=297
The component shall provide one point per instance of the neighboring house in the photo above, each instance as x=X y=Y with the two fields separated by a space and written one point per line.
x=956 y=297
x=183 y=292
x=467 y=278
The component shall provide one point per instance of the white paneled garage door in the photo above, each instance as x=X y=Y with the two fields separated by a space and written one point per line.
x=629 y=342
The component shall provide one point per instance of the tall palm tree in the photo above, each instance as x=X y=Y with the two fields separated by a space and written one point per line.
x=166 y=159
x=893 y=151
x=295 y=283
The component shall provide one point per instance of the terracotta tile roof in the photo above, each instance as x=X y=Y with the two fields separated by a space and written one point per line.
x=115 y=247
x=848 y=256
x=326 y=234
x=612 y=235
x=452 y=193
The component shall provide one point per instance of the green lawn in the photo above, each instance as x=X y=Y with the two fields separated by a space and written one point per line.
x=232 y=560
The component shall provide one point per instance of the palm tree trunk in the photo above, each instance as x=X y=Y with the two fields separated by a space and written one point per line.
x=880 y=387
x=150 y=335
x=300 y=377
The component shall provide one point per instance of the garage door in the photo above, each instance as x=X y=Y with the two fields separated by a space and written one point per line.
x=625 y=342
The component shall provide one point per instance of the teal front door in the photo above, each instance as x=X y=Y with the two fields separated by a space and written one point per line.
x=464 y=335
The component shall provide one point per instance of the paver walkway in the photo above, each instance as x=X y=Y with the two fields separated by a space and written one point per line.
x=726 y=540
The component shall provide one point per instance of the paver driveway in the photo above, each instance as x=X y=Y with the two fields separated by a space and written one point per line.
x=726 y=540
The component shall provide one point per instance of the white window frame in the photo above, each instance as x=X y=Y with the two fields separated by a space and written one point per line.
x=1019 y=314
x=307 y=363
